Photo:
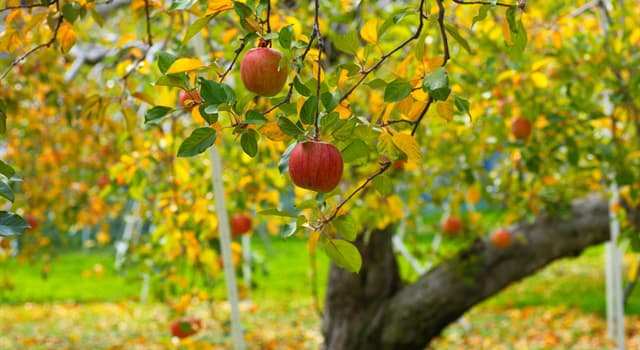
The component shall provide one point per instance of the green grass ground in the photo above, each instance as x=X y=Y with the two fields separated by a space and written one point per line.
x=54 y=313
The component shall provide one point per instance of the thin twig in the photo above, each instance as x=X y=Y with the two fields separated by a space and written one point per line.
x=146 y=11
x=483 y=3
x=384 y=57
x=243 y=43
x=268 y=16
x=443 y=32
x=16 y=7
x=422 y=114
x=316 y=29
x=380 y=171
x=43 y=45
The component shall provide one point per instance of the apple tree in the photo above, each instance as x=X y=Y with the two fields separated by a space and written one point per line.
x=339 y=119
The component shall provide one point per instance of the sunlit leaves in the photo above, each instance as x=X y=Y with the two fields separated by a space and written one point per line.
x=199 y=141
x=517 y=37
x=453 y=32
x=289 y=128
x=397 y=90
x=185 y=65
x=445 y=110
x=343 y=254
x=369 y=31
x=355 y=150
x=182 y=4
x=308 y=111
x=347 y=227
x=408 y=144
x=347 y=43
x=437 y=84
x=66 y=37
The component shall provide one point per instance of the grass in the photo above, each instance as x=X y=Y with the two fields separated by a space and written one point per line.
x=77 y=305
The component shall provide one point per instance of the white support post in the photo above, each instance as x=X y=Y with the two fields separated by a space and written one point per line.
x=613 y=265
x=246 y=263
x=225 y=243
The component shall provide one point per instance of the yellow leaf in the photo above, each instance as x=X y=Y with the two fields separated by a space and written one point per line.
x=143 y=97
x=185 y=65
x=218 y=6
x=445 y=110
x=272 y=131
x=369 y=31
x=540 y=80
x=408 y=144
x=473 y=195
x=66 y=36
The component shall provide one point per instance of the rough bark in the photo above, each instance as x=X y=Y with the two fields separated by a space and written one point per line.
x=370 y=311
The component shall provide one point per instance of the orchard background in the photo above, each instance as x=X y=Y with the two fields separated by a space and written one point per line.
x=476 y=141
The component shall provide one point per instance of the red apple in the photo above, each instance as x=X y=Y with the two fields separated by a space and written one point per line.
x=521 y=128
x=185 y=327
x=33 y=221
x=261 y=71
x=398 y=164
x=316 y=166
x=188 y=99
x=452 y=225
x=103 y=181
x=240 y=223
x=501 y=238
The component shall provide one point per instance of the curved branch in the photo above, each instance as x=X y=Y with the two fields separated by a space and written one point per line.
x=419 y=312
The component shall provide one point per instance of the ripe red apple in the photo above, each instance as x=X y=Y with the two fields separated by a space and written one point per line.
x=501 y=238
x=261 y=71
x=521 y=128
x=188 y=99
x=240 y=223
x=185 y=327
x=452 y=225
x=103 y=181
x=316 y=166
x=33 y=221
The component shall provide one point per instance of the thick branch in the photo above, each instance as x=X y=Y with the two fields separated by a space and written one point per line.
x=421 y=311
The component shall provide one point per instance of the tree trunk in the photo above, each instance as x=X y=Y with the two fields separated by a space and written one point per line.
x=370 y=310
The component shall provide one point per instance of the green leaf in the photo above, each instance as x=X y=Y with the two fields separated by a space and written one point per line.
x=6 y=192
x=196 y=27
x=307 y=204
x=355 y=150
x=347 y=43
x=437 y=84
x=308 y=111
x=383 y=185
x=462 y=105
x=70 y=11
x=453 y=31
x=213 y=92
x=11 y=224
x=624 y=177
x=242 y=10
x=511 y=19
x=211 y=116
x=295 y=227
x=165 y=60
x=328 y=120
x=255 y=117
x=249 y=143
x=573 y=155
x=182 y=4
x=289 y=128
x=344 y=129
x=286 y=36
x=397 y=90
x=300 y=87
x=278 y=212
x=6 y=169
x=346 y=227
x=199 y=141
x=156 y=113
x=482 y=14
x=283 y=164
x=329 y=101
x=343 y=254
